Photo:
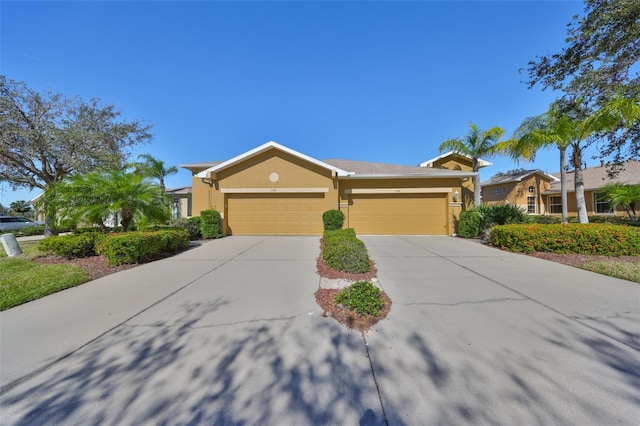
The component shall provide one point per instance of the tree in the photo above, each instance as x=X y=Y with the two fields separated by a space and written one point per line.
x=98 y=195
x=476 y=144
x=627 y=196
x=599 y=62
x=20 y=206
x=154 y=168
x=567 y=125
x=45 y=137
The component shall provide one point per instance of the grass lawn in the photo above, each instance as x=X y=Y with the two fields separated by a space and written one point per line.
x=625 y=270
x=23 y=280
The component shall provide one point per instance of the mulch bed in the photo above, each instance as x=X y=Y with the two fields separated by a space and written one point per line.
x=577 y=260
x=95 y=266
x=325 y=298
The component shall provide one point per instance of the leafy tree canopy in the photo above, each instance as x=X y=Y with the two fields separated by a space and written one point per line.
x=599 y=61
x=45 y=137
x=20 y=206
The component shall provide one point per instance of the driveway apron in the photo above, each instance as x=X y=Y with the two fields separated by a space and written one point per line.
x=227 y=333
x=481 y=336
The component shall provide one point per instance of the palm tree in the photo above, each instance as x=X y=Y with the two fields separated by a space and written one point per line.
x=154 y=168
x=627 y=196
x=548 y=129
x=476 y=144
x=95 y=196
x=563 y=129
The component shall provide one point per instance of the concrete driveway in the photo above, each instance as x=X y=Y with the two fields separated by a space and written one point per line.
x=229 y=333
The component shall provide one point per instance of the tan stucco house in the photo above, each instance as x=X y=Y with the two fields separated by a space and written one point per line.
x=525 y=189
x=180 y=198
x=275 y=190
x=594 y=179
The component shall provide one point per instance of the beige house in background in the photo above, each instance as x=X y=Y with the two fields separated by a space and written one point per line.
x=525 y=190
x=180 y=199
x=594 y=179
x=274 y=190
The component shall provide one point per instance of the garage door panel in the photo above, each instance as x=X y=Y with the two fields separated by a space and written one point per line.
x=399 y=214
x=275 y=214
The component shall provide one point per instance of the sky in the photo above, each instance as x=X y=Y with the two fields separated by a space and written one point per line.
x=359 y=80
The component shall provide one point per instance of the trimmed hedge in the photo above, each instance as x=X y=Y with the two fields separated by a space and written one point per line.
x=342 y=251
x=210 y=224
x=72 y=246
x=362 y=297
x=469 y=224
x=138 y=247
x=332 y=220
x=28 y=231
x=593 y=239
x=192 y=225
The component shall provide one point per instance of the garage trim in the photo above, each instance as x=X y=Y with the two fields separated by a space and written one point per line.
x=274 y=190
x=398 y=190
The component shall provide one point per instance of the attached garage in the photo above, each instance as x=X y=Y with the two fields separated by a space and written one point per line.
x=275 y=214
x=399 y=214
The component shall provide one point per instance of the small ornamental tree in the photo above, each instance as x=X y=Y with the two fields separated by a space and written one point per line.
x=333 y=220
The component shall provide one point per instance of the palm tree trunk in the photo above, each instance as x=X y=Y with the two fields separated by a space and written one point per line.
x=563 y=185
x=581 y=204
x=476 y=190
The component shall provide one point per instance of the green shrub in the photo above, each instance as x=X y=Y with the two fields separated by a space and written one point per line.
x=72 y=246
x=339 y=233
x=138 y=247
x=469 y=224
x=333 y=220
x=192 y=225
x=592 y=239
x=362 y=297
x=545 y=219
x=31 y=230
x=210 y=224
x=88 y=229
x=346 y=254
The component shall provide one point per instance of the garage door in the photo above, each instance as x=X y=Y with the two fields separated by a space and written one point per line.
x=399 y=214
x=275 y=214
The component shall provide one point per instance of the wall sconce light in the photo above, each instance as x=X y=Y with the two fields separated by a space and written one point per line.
x=207 y=181
x=456 y=197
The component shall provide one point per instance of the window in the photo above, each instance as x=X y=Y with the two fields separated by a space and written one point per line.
x=491 y=192
x=504 y=191
x=532 y=189
x=601 y=204
x=555 y=204
x=531 y=205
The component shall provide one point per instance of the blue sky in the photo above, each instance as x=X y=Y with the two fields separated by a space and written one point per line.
x=370 y=81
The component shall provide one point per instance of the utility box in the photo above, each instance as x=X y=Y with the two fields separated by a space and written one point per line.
x=10 y=245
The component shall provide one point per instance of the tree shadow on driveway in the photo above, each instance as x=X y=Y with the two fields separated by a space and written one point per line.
x=297 y=370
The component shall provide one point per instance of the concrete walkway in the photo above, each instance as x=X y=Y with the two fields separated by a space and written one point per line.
x=229 y=333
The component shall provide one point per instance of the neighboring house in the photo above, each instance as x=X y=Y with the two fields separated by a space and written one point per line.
x=524 y=189
x=594 y=179
x=274 y=190
x=180 y=201
x=453 y=161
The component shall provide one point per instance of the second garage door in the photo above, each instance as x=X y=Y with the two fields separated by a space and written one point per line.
x=275 y=214
x=399 y=214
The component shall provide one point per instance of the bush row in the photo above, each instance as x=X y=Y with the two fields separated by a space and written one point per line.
x=610 y=219
x=594 y=239
x=342 y=251
x=479 y=220
x=138 y=247
x=128 y=247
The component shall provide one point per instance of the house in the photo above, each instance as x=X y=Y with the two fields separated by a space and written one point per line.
x=180 y=201
x=275 y=190
x=594 y=179
x=524 y=189
x=454 y=161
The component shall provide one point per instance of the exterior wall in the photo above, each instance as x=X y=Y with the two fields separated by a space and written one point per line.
x=184 y=205
x=257 y=173
x=459 y=163
x=572 y=209
x=448 y=186
x=518 y=192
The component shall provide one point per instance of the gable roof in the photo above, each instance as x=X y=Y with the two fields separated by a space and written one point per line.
x=517 y=177
x=198 y=167
x=263 y=148
x=429 y=163
x=597 y=177
x=362 y=169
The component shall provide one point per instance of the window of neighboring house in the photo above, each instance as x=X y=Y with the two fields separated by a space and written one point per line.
x=491 y=192
x=555 y=204
x=600 y=204
x=531 y=205
x=175 y=211
x=504 y=191
x=531 y=189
